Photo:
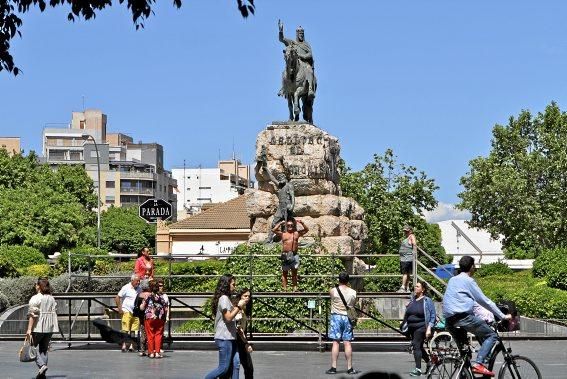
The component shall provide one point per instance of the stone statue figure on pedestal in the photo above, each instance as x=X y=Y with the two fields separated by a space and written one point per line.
x=298 y=79
x=285 y=193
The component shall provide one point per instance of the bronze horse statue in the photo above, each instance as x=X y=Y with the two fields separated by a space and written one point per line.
x=295 y=86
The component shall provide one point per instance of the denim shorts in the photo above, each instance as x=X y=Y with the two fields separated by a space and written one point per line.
x=340 y=328
x=293 y=265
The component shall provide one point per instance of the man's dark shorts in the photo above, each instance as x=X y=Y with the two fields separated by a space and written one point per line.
x=406 y=267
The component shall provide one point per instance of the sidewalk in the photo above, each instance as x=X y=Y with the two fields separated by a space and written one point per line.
x=92 y=362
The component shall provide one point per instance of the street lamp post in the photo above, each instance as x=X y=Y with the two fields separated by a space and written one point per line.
x=88 y=136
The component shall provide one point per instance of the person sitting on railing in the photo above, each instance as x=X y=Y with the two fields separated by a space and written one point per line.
x=144 y=267
x=458 y=306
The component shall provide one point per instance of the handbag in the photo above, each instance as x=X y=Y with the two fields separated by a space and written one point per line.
x=27 y=351
x=352 y=314
x=404 y=329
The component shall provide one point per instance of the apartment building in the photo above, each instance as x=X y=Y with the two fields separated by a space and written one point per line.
x=201 y=186
x=130 y=173
x=10 y=144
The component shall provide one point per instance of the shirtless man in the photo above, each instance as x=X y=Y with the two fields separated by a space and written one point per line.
x=290 y=245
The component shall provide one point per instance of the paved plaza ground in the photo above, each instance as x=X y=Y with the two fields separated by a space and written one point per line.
x=102 y=362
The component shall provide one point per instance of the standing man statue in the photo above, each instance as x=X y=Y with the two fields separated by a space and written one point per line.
x=298 y=79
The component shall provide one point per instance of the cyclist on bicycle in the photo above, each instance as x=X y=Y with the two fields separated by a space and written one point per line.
x=458 y=303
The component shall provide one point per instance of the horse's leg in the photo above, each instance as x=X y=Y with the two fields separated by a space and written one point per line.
x=296 y=96
x=290 y=106
x=308 y=109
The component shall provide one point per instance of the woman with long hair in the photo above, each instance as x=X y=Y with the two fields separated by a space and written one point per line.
x=420 y=318
x=42 y=323
x=225 y=328
x=244 y=348
x=144 y=267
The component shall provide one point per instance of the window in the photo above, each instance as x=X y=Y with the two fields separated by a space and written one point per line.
x=110 y=184
x=204 y=199
x=109 y=200
x=94 y=154
x=204 y=187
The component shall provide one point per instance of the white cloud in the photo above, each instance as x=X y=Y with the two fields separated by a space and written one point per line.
x=445 y=211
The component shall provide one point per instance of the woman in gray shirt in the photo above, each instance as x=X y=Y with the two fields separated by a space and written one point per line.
x=225 y=327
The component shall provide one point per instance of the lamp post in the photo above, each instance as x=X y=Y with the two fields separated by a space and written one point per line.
x=88 y=136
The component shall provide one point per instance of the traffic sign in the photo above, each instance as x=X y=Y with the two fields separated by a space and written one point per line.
x=153 y=210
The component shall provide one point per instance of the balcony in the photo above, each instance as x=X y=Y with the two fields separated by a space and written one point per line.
x=137 y=175
x=137 y=191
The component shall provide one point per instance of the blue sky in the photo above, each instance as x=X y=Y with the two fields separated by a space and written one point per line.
x=427 y=79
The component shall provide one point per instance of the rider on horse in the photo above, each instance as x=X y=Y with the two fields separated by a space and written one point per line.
x=305 y=55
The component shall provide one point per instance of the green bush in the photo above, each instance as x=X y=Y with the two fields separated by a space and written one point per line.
x=513 y=252
x=36 y=270
x=18 y=290
x=7 y=269
x=21 y=256
x=495 y=268
x=547 y=259
x=79 y=259
x=557 y=275
x=386 y=265
x=533 y=297
x=4 y=302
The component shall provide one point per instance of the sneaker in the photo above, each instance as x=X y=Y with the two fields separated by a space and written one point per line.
x=480 y=369
x=401 y=290
x=352 y=371
x=428 y=368
x=41 y=372
x=415 y=372
x=331 y=371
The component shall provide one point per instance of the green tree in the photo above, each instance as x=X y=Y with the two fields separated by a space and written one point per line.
x=519 y=190
x=392 y=195
x=124 y=231
x=10 y=22
x=43 y=209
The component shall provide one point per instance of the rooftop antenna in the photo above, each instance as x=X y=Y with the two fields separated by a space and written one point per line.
x=233 y=157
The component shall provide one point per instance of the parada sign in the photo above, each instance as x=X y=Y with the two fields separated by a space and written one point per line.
x=153 y=210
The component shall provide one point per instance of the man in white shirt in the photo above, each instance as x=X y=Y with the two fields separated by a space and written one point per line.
x=340 y=326
x=125 y=305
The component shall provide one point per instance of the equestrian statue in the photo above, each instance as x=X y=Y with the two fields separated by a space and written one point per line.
x=298 y=78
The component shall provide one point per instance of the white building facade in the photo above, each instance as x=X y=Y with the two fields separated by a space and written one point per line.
x=200 y=186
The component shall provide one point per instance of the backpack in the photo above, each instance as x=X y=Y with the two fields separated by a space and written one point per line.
x=137 y=312
x=155 y=307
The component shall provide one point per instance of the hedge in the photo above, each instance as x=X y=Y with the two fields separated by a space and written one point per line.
x=494 y=268
x=532 y=296
x=21 y=256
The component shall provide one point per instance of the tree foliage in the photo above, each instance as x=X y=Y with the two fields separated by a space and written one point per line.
x=392 y=195
x=43 y=209
x=123 y=231
x=11 y=23
x=520 y=189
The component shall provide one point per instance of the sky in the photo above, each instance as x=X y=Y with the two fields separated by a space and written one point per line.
x=426 y=79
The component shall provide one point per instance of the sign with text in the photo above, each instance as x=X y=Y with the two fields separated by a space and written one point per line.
x=153 y=210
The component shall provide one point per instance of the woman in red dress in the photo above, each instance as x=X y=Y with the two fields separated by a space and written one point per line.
x=144 y=267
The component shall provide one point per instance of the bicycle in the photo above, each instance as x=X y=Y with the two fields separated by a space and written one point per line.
x=457 y=365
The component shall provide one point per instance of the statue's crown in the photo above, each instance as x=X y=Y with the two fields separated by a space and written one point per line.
x=299 y=29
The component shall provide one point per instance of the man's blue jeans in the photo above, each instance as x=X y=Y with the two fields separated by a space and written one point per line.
x=227 y=353
x=486 y=336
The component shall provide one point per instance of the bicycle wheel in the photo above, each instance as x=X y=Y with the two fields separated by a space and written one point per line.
x=442 y=344
x=519 y=368
x=447 y=368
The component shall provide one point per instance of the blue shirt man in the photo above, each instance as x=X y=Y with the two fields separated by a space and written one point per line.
x=458 y=302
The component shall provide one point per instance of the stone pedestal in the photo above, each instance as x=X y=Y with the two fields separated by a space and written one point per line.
x=308 y=157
